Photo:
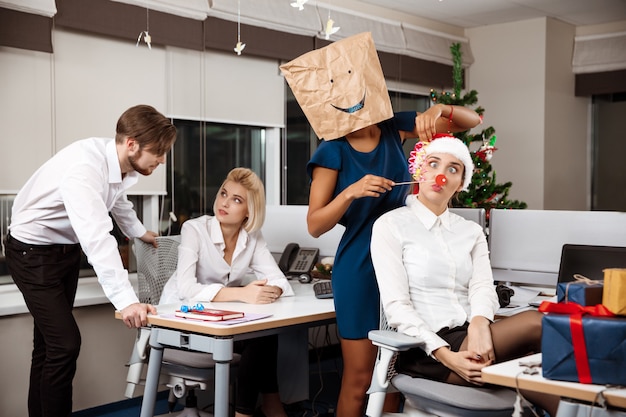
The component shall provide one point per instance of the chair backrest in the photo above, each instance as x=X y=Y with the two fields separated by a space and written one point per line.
x=155 y=266
x=478 y=215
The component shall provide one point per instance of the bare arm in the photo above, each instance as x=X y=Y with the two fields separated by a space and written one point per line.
x=436 y=119
x=256 y=292
x=324 y=210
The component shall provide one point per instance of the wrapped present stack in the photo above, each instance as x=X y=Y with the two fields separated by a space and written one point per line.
x=584 y=335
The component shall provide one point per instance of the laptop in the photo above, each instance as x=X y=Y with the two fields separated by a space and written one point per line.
x=588 y=261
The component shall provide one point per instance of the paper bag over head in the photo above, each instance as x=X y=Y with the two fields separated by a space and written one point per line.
x=341 y=87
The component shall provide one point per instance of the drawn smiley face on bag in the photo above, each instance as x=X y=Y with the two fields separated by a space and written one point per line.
x=341 y=87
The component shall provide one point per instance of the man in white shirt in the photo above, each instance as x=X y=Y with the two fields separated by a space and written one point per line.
x=64 y=206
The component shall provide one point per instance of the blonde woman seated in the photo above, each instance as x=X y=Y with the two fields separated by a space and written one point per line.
x=214 y=256
x=435 y=279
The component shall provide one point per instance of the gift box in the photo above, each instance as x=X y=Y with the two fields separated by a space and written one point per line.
x=584 y=348
x=585 y=293
x=614 y=294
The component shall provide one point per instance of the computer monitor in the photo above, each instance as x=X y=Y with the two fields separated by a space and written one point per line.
x=589 y=261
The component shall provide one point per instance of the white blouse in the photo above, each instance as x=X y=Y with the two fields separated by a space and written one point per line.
x=68 y=200
x=432 y=272
x=202 y=271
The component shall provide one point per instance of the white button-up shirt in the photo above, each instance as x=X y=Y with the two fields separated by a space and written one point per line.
x=202 y=272
x=432 y=272
x=68 y=200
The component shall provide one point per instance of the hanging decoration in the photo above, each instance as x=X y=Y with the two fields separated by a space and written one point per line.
x=240 y=46
x=330 y=29
x=146 y=36
x=299 y=4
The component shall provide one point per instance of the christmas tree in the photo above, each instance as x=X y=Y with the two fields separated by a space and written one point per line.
x=483 y=191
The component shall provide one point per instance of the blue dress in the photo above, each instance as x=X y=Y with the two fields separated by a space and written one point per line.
x=355 y=289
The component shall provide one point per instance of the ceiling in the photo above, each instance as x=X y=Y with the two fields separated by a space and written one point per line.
x=472 y=13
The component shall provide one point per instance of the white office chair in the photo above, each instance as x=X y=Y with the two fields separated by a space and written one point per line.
x=425 y=397
x=184 y=370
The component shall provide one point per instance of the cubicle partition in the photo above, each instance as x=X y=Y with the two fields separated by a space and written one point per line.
x=287 y=224
x=526 y=245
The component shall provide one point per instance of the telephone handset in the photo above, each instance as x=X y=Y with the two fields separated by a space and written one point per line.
x=298 y=262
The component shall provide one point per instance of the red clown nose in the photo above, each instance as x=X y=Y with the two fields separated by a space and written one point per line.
x=441 y=180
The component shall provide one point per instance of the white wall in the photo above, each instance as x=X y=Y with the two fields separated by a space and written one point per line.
x=524 y=81
x=567 y=140
x=509 y=75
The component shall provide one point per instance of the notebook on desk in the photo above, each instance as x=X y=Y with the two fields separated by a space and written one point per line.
x=586 y=260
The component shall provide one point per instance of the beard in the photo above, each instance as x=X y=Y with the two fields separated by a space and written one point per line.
x=133 y=163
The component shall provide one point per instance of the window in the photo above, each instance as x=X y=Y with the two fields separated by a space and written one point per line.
x=301 y=142
x=6 y=203
x=201 y=158
x=609 y=151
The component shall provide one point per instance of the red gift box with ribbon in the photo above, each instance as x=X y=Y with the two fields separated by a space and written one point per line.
x=585 y=344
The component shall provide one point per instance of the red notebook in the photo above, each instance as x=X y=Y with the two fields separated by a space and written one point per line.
x=210 y=314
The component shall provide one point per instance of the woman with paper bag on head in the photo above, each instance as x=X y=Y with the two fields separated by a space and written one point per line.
x=342 y=91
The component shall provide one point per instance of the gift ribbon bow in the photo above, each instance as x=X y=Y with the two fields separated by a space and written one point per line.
x=579 y=279
x=576 y=313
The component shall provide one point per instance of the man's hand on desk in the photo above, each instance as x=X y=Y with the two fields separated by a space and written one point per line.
x=136 y=315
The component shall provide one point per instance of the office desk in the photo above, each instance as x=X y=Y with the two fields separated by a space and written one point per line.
x=303 y=309
x=510 y=374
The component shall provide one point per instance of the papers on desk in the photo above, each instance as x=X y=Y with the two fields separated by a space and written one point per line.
x=523 y=299
x=248 y=317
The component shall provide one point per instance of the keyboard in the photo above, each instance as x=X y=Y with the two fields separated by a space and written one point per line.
x=323 y=289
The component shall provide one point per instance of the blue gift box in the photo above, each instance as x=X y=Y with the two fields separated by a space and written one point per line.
x=605 y=340
x=580 y=293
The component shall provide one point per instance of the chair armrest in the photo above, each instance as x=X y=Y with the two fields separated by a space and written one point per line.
x=392 y=340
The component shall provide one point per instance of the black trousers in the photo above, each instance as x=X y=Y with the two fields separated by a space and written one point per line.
x=256 y=372
x=47 y=276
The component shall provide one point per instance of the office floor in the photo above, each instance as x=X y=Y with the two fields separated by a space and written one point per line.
x=324 y=382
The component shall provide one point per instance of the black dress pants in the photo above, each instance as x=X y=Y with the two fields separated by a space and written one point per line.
x=256 y=373
x=47 y=276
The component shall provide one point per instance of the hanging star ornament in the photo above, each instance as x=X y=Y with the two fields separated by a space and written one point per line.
x=299 y=4
x=239 y=47
x=330 y=30
x=146 y=38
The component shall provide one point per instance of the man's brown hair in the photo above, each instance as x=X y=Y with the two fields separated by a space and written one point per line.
x=152 y=131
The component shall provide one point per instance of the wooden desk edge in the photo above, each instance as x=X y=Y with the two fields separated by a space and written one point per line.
x=574 y=390
x=231 y=330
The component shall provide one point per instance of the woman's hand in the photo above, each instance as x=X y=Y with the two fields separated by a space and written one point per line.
x=257 y=292
x=369 y=186
x=461 y=363
x=479 y=341
x=426 y=123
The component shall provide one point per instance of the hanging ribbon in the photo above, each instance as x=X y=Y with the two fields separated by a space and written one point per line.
x=576 y=313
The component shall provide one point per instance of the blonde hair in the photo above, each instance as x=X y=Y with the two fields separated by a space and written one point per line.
x=256 y=196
